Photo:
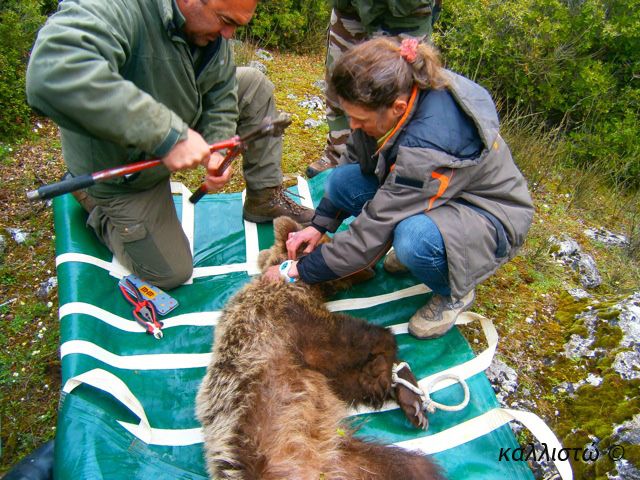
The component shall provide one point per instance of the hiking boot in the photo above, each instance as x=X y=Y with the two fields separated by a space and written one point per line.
x=439 y=315
x=392 y=265
x=83 y=198
x=320 y=166
x=261 y=206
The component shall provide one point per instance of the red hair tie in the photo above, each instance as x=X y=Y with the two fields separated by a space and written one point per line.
x=409 y=49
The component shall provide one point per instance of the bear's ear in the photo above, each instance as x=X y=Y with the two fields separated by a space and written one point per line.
x=282 y=227
x=277 y=254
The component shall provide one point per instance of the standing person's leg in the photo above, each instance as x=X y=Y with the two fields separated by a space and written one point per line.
x=419 y=246
x=345 y=31
x=143 y=232
x=261 y=163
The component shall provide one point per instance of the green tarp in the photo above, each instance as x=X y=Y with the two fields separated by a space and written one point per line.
x=132 y=413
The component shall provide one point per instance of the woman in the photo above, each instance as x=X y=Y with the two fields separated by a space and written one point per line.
x=425 y=170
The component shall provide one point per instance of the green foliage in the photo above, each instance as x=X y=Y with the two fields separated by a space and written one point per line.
x=19 y=22
x=576 y=63
x=290 y=24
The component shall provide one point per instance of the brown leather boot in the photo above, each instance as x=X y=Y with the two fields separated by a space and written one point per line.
x=261 y=206
x=320 y=165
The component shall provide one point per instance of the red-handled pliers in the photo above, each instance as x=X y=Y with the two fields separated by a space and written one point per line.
x=143 y=310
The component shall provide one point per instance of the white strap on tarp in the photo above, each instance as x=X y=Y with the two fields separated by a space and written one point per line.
x=368 y=302
x=108 y=382
x=188 y=217
x=196 y=319
x=119 y=271
x=252 y=246
x=486 y=423
x=452 y=437
x=158 y=361
x=305 y=193
x=187 y=360
x=210 y=318
x=116 y=269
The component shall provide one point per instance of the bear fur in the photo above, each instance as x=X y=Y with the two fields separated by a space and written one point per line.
x=284 y=371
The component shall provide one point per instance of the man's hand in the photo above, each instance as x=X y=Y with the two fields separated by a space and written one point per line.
x=213 y=181
x=188 y=153
x=309 y=238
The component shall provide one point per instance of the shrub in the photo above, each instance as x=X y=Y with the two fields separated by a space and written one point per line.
x=19 y=22
x=575 y=62
x=290 y=24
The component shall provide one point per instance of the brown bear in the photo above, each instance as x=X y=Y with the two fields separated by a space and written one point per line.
x=283 y=372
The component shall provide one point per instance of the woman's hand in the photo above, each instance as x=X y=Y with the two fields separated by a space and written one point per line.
x=309 y=238
x=273 y=273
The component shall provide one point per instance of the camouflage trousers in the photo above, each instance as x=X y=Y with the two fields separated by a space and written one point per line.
x=345 y=31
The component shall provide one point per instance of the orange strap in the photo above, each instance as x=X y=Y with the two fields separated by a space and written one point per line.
x=444 y=183
x=403 y=119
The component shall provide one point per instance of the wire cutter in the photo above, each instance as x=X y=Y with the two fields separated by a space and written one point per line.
x=143 y=310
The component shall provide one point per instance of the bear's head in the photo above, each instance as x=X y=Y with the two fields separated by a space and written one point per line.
x=277 y=254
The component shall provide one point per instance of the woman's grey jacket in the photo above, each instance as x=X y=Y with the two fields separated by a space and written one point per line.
x=480 y=203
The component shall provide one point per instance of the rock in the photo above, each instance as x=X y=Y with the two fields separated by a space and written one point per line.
x=626 y=471
x=540 y=466
x=607 y=237
x=594 y=380
x=3 y=245
x=578 y=346
x=264 y=55
x=19 y=235
x=569 y=252
x=564 y=248
x=589 y=274
x=312 y=103
x=312 y=123
x=46 y=288
x=503 y=378
x=578 y=293
x=627 y=363
x=258 y=66
x=321 y=84
x=629 y=431
x=629 y=320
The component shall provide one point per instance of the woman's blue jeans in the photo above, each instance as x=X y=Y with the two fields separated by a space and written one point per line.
x=417 y=240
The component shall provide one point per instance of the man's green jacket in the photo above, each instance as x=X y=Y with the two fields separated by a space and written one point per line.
x=123 y=84
x=392 y=16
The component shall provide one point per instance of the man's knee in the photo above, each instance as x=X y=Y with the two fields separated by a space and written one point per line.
x=253 y=87
x=165 y=276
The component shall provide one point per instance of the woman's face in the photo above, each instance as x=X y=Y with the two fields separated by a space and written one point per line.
x=374 y=123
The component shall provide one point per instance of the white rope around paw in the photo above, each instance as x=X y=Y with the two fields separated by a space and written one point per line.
x=427 y=403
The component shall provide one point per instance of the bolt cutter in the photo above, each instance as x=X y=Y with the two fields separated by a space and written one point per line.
x=234 y=147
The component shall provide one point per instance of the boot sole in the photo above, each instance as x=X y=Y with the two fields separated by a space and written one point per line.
x=441 y=328
x=256 y=218
x=262 y=219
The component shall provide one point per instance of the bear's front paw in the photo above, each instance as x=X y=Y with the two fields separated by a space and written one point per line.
x=375 y=380
x=409 y=401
